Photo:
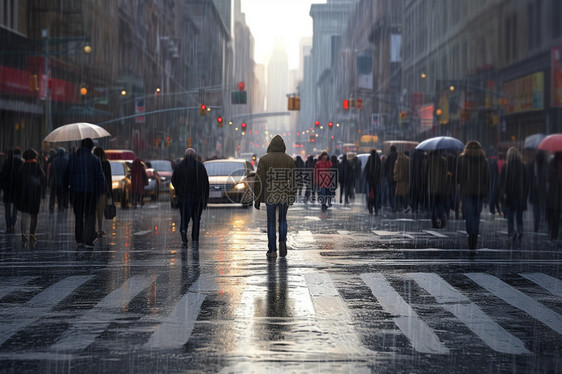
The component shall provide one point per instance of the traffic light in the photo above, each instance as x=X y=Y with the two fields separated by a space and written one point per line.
x=312 y=138
x=316 y=123
x=203 y=110
x=219 y=121
x=168 y=141
x=403 y=115
x=33 y=84
x=346 y=104
x=156 y=142
x=243 y=126
x=330 y=125
x=359 y=104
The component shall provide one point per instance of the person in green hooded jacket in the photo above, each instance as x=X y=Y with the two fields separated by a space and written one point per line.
x=276 y=187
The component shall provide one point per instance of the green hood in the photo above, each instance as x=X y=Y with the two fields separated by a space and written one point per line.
x=277 y=145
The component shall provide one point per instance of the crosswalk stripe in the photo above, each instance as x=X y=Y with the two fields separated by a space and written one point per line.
x=421 y=336
x=435 y=233
x=495 y=336
x=519 y=300
x=40 y=304
x=140 y=233
x=177 y=327
x=551 y=284
x=331 y=310
x=8 y=286
x=94 y=322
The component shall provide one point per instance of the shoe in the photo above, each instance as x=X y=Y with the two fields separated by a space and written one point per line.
x=407 y=210
x=282 y=249
x=271 y=254
x=89 y=245
x=195 y=244
x=80 y=245
x=101 y=233
x=23 y=238
x=183 y=237
x=32 y=238
x=519 y=238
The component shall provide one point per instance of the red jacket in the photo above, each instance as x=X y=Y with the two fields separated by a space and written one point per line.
x=322 y=174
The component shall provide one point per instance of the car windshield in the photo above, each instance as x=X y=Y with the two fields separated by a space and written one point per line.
x=161 y=165
x=235 y=169
x=117 y=168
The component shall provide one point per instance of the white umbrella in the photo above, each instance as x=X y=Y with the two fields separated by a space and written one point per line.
x=76 y=131
x=532 y=141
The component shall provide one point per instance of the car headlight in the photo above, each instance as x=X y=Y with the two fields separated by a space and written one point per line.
x=115 y=185
x=240 y=186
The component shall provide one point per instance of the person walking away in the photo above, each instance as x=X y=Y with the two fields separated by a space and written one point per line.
x=57 y=168
x=554 y=195
x=84 y=177
x=437 y=187
x=334 y=169
x=514 y=191
x=323 y=178
x=30 y=181
x=389 y=176
x=107 y=192
x=538 y=176
x=308 y=176
x=494 y=201
x=299 y=177
x=473 y=178
x=191 y=182
x=372 y=177
x=402 y=180
x=343 y=169
x=417 y=187
x=354 y=174
x=10 y=168
x=139 y=179
x=275 y=186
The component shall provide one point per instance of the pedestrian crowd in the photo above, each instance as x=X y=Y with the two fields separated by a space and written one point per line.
x=437 y=183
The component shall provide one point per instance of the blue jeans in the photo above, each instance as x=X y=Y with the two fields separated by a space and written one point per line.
x=512 y=215
x=472 y=206
x=10 y=213
x=271 y=235
x=190 y=210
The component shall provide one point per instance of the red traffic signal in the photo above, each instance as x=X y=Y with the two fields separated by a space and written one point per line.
x=202 y=109
x=330 y=124
x=346 y=104
x=219 y=119
x=243 y=125
x=316 y=123
x=241 y=86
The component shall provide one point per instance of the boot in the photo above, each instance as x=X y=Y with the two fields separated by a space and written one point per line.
x=282 y=249
x=183 y=237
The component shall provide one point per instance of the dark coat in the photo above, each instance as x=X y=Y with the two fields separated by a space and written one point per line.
x=436 y=174
x=84 y=173
x=514 y=184
x=58 y=168
x=373 y=169
x=402 y=174
x=537 y=173
x=268 y=188
x=10 y=168
x=106 y=168
x=30 y=180
x=389 y=167
x=554 y=194
x=473 y=172
x=191 y=181
x=138 y=177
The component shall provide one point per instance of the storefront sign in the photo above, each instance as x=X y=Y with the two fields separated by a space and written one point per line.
x=524 y=94
x=556 y=77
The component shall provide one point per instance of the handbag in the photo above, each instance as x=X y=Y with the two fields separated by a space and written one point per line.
x=110 y=210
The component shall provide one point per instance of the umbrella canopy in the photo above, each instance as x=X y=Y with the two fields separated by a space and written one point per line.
x=551 y=143
x=441 y=143
x=532 y=141
x=76 y=131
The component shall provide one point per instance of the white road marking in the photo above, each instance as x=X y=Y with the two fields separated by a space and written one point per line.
x=519 y=300
x=551 y=284
x=139 y=233
x=435 y=233
x=177 y=327
x=40 y=304
x=421 y=336
x=495 y=336
x=94 y=322
x=10 y=285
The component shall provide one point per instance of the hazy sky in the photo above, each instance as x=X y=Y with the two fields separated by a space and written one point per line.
x=273 y=19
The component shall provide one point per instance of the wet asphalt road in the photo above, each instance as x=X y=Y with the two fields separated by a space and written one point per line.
x=356 y=293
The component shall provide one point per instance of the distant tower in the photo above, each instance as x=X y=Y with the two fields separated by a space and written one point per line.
x=277 y=86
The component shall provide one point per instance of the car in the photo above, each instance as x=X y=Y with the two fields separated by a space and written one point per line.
x=231 y=181
x=165 y=169
x=121 y=182
x=120 y=154
x=173 y=196
x=154 y=184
